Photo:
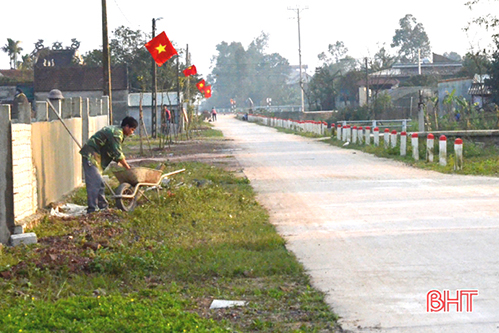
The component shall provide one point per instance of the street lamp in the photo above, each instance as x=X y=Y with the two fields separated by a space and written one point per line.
x=154 y=106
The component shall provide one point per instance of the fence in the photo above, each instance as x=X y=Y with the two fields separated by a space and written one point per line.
x=39 y=161
x=362 y=135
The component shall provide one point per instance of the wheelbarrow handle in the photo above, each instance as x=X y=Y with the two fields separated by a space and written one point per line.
x=172 y=173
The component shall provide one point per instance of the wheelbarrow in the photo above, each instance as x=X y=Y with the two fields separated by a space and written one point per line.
x=128 y=193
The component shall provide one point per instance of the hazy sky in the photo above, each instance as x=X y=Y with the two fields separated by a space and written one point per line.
x=360 y=24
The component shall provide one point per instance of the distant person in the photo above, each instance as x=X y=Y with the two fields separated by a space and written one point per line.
x=213 y=114
x=166 y=118
x=100 y=150
x=19 y=98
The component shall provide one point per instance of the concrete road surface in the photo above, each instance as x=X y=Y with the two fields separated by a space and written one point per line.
x=376 y=235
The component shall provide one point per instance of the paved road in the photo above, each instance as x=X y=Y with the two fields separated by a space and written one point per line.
x=375 y=235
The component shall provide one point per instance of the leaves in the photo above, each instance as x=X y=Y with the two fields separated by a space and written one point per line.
x=411 y=37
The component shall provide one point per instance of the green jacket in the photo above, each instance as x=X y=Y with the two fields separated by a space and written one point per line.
x=104 y=147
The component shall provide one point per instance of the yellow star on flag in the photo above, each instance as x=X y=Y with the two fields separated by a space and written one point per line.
x=161 y=48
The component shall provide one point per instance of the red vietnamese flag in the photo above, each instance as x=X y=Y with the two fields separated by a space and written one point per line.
x=161 y=48
x=191 y=70
x=207 y=91
x=201 y=85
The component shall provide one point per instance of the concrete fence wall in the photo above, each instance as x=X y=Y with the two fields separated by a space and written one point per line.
x=39 y=160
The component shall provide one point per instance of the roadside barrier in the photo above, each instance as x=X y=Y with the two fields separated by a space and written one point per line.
x=403 y=143
x=393 y=139
x=430 y=147
x=362 y=135
x=458 y=150
x=442 y=153
x=376 y=136
x=415 y=146
x=386 y=137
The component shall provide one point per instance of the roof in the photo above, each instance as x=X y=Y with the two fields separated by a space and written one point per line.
x=78 y=78
x=479 y=89
x=16 y=74
x=168 y=98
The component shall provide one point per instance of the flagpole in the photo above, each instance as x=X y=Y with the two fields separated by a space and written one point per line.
x=106 y=62
x=154 y=102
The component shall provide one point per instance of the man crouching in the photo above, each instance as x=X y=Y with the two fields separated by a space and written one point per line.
x=101 y=149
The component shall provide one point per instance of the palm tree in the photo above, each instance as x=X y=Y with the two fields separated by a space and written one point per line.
x=12 y=48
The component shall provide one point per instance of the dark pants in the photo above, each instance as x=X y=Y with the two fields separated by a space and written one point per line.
x=95 y=187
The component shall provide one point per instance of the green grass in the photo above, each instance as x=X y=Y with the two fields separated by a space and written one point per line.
x=158 y=268
x=478 y=159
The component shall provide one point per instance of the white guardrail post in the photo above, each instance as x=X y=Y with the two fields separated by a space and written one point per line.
x=415 y=146
x=386 y=137
x=458 y=150
x=338 y=132
x=368 y=135
x=376 y=136
x=354 y=134
x=403 y=143
x=393 y=139
x=430 y=147
x=442 y=150
x=360 y=135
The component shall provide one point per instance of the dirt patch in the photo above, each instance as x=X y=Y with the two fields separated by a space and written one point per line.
x=73 y=251
x=213 y=151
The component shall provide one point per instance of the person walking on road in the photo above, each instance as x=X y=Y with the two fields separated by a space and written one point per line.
x=213 y=114
x=101 y=149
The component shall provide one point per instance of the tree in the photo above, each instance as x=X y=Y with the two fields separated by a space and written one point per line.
x=490 y=22
x=410 y=38
x=475 y=63
x=326 y=84
x=336 y=51
x=453 y=56
x=242 y=74
x=12 y=48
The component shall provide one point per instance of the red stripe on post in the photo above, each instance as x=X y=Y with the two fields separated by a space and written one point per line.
x=394 y=132
x=414 y=135
x=387 y=130
x=431 y=136
x=458 y=141
x=443 y=138
x=376 y=129
x=403 y=133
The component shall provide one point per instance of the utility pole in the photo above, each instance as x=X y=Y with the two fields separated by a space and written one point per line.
x=367 y=85
x=106 y=62
x=297 y=9
x=154 y=102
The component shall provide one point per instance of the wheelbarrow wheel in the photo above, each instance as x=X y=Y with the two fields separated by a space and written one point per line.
x=125 y=204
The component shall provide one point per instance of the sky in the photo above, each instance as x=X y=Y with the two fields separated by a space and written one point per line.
x=362 y=25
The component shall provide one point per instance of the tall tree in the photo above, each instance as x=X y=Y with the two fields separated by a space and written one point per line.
x=12 y=48
x=242 y=74
x=410 y=38
x=490 y=22
x=327 y=84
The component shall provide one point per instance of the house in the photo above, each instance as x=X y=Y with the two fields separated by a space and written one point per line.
x=460 y=87
x=144 y=100
x=480 y=92
x=85 y=82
